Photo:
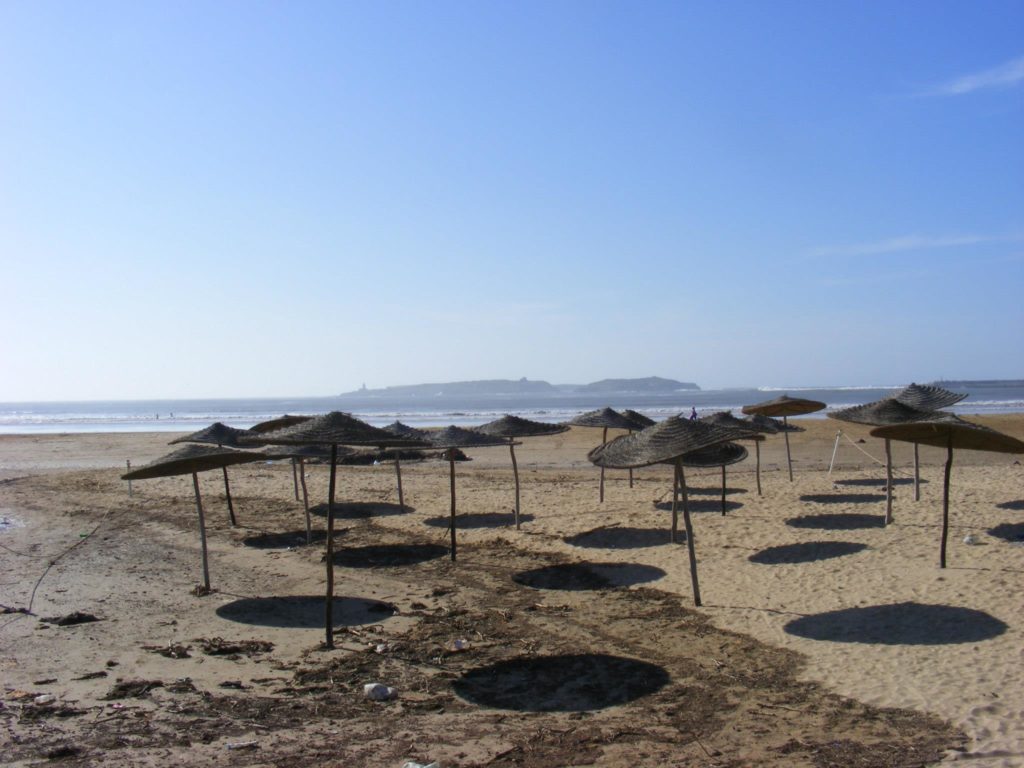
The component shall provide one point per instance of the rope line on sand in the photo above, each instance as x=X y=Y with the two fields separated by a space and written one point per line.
x=879 y=462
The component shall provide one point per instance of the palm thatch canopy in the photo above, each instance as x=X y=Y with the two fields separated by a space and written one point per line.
x=336 y=428
x=719 y=455
x=944 y=430
x=602 y=417
x=881 y=413
x=925 y=397
x=765 y=424
x=726 y=419
x=279 y=423
x=302 y=451
x=191 y=459
x=457 y=437
x=665 y=441
x=511 y=427
x=404 y=430
x=218 y=434
x=641 y=421
x=784 y=406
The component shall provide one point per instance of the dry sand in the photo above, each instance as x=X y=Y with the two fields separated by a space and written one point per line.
x=824 y=639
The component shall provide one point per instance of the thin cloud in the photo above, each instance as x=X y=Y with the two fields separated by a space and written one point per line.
x=1004 y=76
x=907 y=243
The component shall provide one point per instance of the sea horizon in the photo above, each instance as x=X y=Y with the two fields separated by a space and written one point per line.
x=190 y=414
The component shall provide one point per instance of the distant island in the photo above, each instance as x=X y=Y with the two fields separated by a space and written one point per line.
x=498 y=387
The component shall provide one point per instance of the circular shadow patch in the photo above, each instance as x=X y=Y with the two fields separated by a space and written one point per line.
x=305 y=611
x=624 y=538
x=1008 y=531
x=701 y=505
x=586 y=576
x=837 y=522
x=843 y=498
x=570 y=683
x=806 y=552
x=479 y=520
x=285 y=540
x=360 y=510
x=880 y=483
x=384 y=555
x=900 y=624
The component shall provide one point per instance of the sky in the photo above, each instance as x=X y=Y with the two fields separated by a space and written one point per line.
x=245 y=199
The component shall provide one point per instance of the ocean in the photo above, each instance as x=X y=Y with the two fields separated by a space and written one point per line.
x=191 y=415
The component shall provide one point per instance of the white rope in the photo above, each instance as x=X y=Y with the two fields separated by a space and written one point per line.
x=879 y=462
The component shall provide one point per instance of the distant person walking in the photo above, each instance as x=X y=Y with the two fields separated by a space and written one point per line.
x=693 y=414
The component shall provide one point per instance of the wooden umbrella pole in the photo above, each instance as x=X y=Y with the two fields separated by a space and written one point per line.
x=604 y=439
x=630 y=469
x=689 y=536
x=305 y=500
x=329 y=602
x=227 y=491
x=945 y=502
x=917 y=474
x=398 y=475
x=451 y=526
x=515 y=474
x=295 y=479
x=675 y=504
x=723 y=490
x=202 y=532
x=888 y=482
x=789 y=459
x=757 y=452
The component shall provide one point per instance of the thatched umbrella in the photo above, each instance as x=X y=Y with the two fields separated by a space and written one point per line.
x=757 y=431
x=925 y=397
x=298 y=454
x=193 y=459
x=511 y=427
x=882 y=413
x=785 y=406
x=606 y=418
x=641 y=422
x=665 y=443
x=333 y=429
x=949 y=432
x=720 y=455
x=399 y=429
x=450 y=438
x=280 y=423
x=220 y=434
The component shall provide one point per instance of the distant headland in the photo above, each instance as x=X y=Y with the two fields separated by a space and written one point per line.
x=497 y=387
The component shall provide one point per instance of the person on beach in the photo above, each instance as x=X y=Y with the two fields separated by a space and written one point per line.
x=693 y=414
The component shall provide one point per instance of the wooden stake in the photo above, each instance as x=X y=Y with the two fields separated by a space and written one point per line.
x=305 y=500
x=398 y=475
x=917 y=475
x=757 y=452
x=630 y=469
x=604 y=439
x=888 y=482
x=789 y=460
x=723 y=490
x=227 y=491
x=675 y=504
x=945 y=501
x=451 y=463
x=515 y=473
x=689 y=536
x=202 y=532
x=329 y=603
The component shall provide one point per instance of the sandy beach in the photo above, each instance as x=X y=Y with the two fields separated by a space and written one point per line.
x=825 y=639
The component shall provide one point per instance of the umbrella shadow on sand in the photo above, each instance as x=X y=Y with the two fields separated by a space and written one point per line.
x=870 y=482
x=899 y=624
x=1008 y=531
x=622 y=538
x=1016 y=506
x=305 y=611
x=283 y=540
x=843 y=498
x=714 y=491
x=388 y=555
x=837 y=522
x=361 y=510
x=578 y=577
x=702 y=505
x=480 y=520
x=569 y=683
x=805 y=552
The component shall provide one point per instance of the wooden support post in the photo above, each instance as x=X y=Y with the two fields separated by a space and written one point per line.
x=675 y=504
x=604 y=439
x=295 y=479
x=329 y=602
x=305 y=500
x=723 y=490
x=515 y=473
x=451 y=463
x=398 y=476
x=202 y=532
x=630 y=432
x=757 y=452
x=888 y=482
x=917 y=474
x=789 y=458
x=945 y=502
x=227 y=492
x=691 y=549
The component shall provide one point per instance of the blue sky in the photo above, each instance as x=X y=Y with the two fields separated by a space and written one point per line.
x=263 y=199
